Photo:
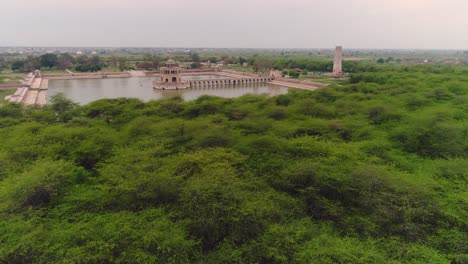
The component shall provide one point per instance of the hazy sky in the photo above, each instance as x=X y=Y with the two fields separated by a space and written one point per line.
x=422 y=24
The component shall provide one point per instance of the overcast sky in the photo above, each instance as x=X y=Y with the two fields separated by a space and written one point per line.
x=408 y=24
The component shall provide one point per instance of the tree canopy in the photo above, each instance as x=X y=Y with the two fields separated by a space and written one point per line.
x=369 y=171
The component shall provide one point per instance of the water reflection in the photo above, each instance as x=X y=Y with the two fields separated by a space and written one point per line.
x=84 y=91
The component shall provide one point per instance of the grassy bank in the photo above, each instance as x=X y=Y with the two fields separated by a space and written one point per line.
x=11 y=78
x=4 y=93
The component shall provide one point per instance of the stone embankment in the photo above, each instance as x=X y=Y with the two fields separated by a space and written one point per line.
x=276 y=81
x=137 y=73
x=297 y=84
x=23 y=88
x=18 y=96
x=237 y=74
x=37 y=92
x=32 y=91
x=30 y=97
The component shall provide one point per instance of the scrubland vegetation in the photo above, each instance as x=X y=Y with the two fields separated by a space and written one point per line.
x=370 y=171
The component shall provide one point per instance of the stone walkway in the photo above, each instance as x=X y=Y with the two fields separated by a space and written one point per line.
x=41 y=98
x=296 y=85
x=44 y=84
x=36 y=84
x=37 y=93
x=30 y=97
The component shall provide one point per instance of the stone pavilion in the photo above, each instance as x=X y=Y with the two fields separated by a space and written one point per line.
x=170 y=77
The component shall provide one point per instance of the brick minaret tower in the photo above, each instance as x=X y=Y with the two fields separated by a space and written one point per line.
x=338 y=62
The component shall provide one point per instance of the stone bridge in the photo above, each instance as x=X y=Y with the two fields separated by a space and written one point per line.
x=219 y=82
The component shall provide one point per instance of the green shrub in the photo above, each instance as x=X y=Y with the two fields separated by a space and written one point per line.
x=40 y=185
x=371 y=170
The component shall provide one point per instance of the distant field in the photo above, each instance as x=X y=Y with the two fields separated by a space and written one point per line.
x=4 y=93
x=11 y=78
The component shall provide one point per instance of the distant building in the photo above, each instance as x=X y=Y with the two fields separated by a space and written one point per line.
x=171 y=77
x=276 y=74
x=206 y=64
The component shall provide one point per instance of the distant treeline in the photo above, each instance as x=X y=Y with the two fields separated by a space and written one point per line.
x=81 y=63
x=85 y=63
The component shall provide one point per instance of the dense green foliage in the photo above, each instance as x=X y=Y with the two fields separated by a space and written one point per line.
x=373 y=171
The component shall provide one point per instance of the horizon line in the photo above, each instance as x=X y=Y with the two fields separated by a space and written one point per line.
x=207 y=47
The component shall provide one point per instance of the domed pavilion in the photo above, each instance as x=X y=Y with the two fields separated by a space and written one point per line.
x=170 y=77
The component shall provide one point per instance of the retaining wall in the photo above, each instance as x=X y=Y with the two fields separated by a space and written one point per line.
x=286 y=80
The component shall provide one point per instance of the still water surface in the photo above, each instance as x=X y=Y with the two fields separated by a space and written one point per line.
x=84 y=91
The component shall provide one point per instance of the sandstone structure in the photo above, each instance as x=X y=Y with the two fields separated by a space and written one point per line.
x=37 y=74
x=338 y=62
x=276 y=74
x=170 y=77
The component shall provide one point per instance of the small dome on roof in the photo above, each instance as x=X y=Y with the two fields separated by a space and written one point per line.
x=171 y=64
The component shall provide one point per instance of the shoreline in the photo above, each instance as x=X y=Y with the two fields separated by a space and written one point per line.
x=34 y=90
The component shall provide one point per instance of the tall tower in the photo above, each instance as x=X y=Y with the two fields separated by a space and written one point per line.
x=338 y=62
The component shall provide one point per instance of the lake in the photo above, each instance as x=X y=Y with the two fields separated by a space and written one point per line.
x=84 y=91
